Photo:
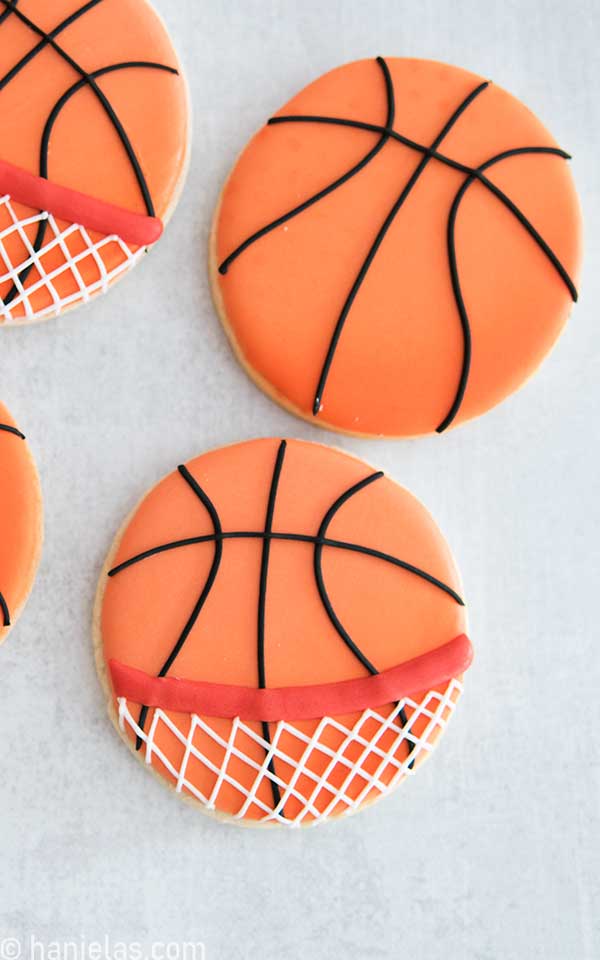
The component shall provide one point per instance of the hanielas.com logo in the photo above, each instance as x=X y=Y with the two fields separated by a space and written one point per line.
x=81 y=948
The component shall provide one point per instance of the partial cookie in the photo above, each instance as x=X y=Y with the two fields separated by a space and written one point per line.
x=280 y=632
x=20 y=522
x=95 y=135
x=398 y=249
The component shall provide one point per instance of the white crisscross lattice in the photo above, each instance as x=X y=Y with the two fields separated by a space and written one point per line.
x=321 y=799
x=41 y=294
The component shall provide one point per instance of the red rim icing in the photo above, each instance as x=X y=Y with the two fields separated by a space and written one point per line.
x=76 y=207
x=294 y=703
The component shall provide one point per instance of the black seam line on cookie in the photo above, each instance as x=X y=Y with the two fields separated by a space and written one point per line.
x=429 y=152
x=207 y=587
x=461 y=168
x=383 y=138
x=326 y=601
x=22 y=63
x=45 y=148
x=318 y=569
x=262 y=603
x=17 y=433
x=8 y=11
x=294 y=537
x=454 y=271
x=101 y=97
x=5 y=611
x=267 y=535
x=471 y=173
x=387 y=223
x=9 y=429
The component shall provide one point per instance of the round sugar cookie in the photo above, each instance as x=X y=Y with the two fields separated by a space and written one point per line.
x=397 y=250
x=280 y=632
x=95 y=134
x=20 y=522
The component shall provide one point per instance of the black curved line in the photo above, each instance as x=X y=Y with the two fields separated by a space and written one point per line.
x=264 y=565
x=318 y=568
x=262 y=602
x=8 y=12
x=341 y=630
x=24 y=274
x=462 y=168
x=66 y=96
x=453 y=262
x=104 y=101
x=9 y=429
x=22 y=63
x=171 y=545
x=409 y=567
x=214 y=516
x=545 y=247
x=4 y=608
x=387 y=223
x=384 y=137
x=295 y=537
x=45 y=147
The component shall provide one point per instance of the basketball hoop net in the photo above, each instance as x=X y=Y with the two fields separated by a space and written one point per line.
x=59 y=247
x=319 y=769
x=69 y=268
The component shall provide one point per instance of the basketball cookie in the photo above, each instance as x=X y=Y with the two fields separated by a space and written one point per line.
x=20 y=522
x=397 y=250
x=95 y=131
x=280 y=632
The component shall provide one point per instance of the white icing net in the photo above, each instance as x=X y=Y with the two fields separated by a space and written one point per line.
x=69 y=268
x=313 y=778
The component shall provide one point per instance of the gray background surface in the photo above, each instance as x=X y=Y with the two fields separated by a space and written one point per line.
x=493 y=849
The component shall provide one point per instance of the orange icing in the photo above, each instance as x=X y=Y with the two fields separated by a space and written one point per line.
x=86 y=154
x=20 y=520
x=398 y=362
x=391 y=614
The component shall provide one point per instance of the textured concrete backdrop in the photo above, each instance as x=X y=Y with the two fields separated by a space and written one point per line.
x=493 y=849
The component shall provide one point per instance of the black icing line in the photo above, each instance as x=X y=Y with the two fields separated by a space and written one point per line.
x=100 y=96
x=9 y=429
x=45 y=149
x=326 y=601
x=17 y=433
x=293 y=537
x=318 y=569
x=262 y=602
x=428 y=152
x=22 y=63
x=5 y=611
x=387 y=223
x=383 y=138
x=8 y=12
x=87 y=79
x=454 y=273
x=207 y=587
x=267 y=535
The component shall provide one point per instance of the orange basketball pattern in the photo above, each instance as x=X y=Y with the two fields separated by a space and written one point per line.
x=20 y=521
x=397 y=250
x=92 y=106
x=276 y=570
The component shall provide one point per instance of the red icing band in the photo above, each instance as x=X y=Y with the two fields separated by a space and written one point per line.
x=75 y=207
x=294 y=703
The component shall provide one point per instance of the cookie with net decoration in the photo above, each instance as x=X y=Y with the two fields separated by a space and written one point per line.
x=280 y=631
x=95 y=131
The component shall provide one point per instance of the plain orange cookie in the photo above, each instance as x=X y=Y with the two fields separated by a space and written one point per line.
x=20 y=522
x=280 y=632
x=397 y=250
x=95 y=132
